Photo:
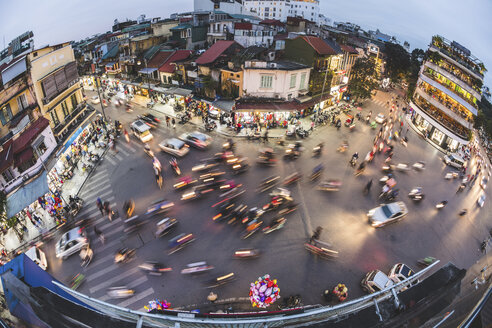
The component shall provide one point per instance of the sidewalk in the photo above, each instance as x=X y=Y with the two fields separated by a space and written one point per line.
x=168 y=109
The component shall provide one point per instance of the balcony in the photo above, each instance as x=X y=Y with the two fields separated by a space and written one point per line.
x=425 y=76
x=452 y=112
x=83 y=113
x=440 y=117
x=451 y=57
x=460 y=80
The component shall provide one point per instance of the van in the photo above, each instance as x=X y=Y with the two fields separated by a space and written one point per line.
x=454 y=160
x=38 y=257
x=141 y=131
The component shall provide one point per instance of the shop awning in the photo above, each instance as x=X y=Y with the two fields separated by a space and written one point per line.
x=148 y=70
x=27 y=194
x=225 y=105
x=23 y=156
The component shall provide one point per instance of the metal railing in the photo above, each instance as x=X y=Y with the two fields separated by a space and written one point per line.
x=257 y=319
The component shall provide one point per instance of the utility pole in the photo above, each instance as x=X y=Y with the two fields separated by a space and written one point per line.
x=96 y=80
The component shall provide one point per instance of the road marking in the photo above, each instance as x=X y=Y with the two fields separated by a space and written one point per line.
x=92 y=208
x=115 y=230
x=107 y=226
x=94 y=196
x=110 y=160
x=96 y=179
x=111 y=281
x=128 y=147
x=98 y=174
x=122 y=151
x=137 y=282
x=101 y=272
x=136 y=298
x=98 y=185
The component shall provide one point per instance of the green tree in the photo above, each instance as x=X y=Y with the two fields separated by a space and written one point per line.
x=364 y=78
x=316 y=80
x=397 y=61
x=416 y=59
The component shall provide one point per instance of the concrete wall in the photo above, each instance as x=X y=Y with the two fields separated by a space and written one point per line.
x=280 y=83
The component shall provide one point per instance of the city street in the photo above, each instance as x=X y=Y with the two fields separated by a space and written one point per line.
x=128 y=173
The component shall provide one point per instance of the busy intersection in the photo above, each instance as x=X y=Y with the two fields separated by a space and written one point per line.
x=126 y=173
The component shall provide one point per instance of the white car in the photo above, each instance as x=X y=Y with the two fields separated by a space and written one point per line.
x=483 y=183
x=175 y=147
x=481 y=200
x=375 y=281
x=213 y=114
x=196 y=139
x=71 y=242
x=400 y=272
x=95 y=100
x=380 y=118
x=387 y=213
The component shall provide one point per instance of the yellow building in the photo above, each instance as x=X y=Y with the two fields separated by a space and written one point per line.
x=58 y=91
x=231 y=82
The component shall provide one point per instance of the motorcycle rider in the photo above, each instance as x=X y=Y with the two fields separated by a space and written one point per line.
x=354 y=158
x=368 y=186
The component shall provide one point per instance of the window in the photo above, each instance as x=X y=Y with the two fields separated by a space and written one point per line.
x=303 y=81
x=64 y=109
x=22 y=102
x=54 y=117
x=266 y=81
x=73 y=98
x=8 y=175
x=41 y=149
x=293 y=81
x=5 y=114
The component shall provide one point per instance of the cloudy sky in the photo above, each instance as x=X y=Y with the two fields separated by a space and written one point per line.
x=468 y=22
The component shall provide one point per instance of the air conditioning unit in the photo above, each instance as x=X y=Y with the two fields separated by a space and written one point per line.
x=272 y=65
x=193 y=64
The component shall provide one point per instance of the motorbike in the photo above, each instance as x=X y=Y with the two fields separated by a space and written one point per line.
x=86 y=254
x=148 y=151
x=129 y=207
x=240 y=166
x=225 y=210
x=318 y=149
x=294 y=177
x=276 y=224
x=321 y=249
x=403 y=167
x=330 y=185
x=124 y=255
x=389 y=195
x=216 y=282
x=76 y=281
x=184 y=182
x=120 y=292
x=252 y=227
x=228 y=146
x=317 y=171
x=287 y=210
x=419 y=166
x=180 y=241
x=385 y=178
x=277 y=202
x=293 y=151
x=353 y=161
x=441 y=205
x=230 y=184
x=86 y=167
x=94 y=158
x=451 y=175
x=267 y=157
x=196 y=192
x=183 y=118
x=210 y=126
x=246 y=253
x=154 y=268
x=164 y=226
x=174 y=164
x=150 y=105
x=302 y=133
x=416 y=194
x=198 y=267
x=159 y=206
x=387 y=168
x=268 y=183
x=204 y=167
x=256 y=135
x=426 y=261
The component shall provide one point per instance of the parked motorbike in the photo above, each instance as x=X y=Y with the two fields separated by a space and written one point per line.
x=210 y=126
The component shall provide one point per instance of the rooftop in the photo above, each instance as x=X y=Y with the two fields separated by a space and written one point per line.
x=177 y=55
x=217 y=49
x=320 y=46
x=274 y=65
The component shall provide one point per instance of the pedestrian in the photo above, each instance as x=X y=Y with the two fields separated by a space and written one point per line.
x=312 y=126
x=174 y=123
x=127 y=137
x=265 y=136
x=107 y=209
x=167 y=121
x=158 y=177
x=99 y=235
x=99 y=204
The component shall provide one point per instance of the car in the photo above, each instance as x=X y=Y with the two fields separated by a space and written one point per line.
x=375 y=281
x=454 y=160
x=141 y=131
x=175 y=147
x=483 y=182
x=380 y=118
x=150 y=120
x=95 y=100
x=213 y=114
x=387 y=213
x=400 y=272
x=71 y=242
x=481 y=199
x=196 y=139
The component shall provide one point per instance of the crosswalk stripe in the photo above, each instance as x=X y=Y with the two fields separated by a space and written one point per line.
x=98 y=178
x=90 y=194
x=119 y=157
x=136 y=298
x=137 y=282
x=115 y=230
x=110 y=160
x=107 y=226
x=128 y=146
x=108 y=258
x=113 y=280
x=100 y=193
x=97 y=185
x=93 y=210
x=98 y=174
x=121 y=150
x=102 y=272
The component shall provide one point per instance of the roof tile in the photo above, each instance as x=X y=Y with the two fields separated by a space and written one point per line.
x=214 y=52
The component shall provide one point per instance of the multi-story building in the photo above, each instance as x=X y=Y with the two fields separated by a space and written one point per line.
x=281 y=9
x=448 y=89
x=248 y=34
x=56 y=86
x=228 y=6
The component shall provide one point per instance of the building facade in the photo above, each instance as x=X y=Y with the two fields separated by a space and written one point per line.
x=448 y=89
x=281 y=9
x=277 y=79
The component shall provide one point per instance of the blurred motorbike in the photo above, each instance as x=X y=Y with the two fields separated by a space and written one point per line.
x=154 y=268
x=276 y=224
x=120 y=292
x=246 y=253
x=164 y=226
x=124 y=255
x=174 y=164
x=180 y=241
x=416 y=194
x=292 y=178
x=198 y=267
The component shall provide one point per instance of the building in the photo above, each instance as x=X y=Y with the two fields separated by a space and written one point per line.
x=281 y=9
x=248 y=34
x=228 y=6
x=275 y=80
x=56 y=86
x=447 y=93
x=191 y=32
x=169 y=67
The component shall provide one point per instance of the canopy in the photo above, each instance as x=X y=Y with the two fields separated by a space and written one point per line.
x=27 y=194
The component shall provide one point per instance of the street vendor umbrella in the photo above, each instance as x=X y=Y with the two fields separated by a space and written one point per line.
x=264 y=292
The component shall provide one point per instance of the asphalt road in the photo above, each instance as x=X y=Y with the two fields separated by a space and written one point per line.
x=425 y=231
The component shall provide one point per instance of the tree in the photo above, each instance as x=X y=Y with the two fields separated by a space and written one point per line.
x=397 y=61
x=317 y=79
x=364 y=78
x=416 y=59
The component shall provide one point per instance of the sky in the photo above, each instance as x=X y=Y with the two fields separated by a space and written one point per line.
x=467 y=22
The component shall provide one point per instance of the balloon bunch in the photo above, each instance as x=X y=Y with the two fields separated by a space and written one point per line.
x=264 y=292
x=157 y=304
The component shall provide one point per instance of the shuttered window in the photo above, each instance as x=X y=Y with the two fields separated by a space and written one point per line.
x=59 y=81
x=49 y=87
